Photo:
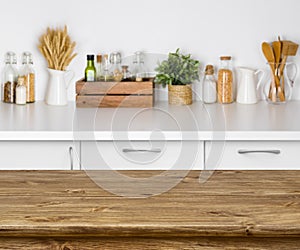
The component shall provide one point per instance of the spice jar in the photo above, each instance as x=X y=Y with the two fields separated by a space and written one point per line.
x=209 y=85
x=126 y=73
x=21 y=92
x=10 y=78
x=225 y=80
x=28 y=73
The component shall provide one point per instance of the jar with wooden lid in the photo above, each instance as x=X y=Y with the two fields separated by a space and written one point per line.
x=225 y=80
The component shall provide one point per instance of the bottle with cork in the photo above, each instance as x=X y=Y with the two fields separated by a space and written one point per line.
x=209 y=86
x=99 y=68
x=225 y=81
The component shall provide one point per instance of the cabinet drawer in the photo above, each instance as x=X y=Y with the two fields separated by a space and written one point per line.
x=254 y=155
x=142 y=155
x=38 y=155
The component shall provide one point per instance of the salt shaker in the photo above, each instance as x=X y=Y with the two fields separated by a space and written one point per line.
x=209 y=85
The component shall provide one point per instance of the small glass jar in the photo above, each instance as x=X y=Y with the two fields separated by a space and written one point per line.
x=28 y=73
x=126 y=74
x=225 y=80
x=10 y=78
x=115 y=61
x=209 y=85
x=139 y=71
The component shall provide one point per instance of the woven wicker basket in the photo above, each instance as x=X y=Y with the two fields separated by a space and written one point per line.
x=180 y=94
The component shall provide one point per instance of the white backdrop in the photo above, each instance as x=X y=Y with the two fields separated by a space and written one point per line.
x=207 y=29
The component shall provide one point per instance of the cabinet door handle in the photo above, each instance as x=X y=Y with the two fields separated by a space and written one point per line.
x=71 y=155
x=245 y=151
x=131 y=150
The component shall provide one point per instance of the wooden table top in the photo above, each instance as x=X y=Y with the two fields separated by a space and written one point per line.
x=230 y=203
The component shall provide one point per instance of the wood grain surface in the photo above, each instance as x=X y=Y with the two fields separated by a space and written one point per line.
x=114 y=101
x=232 y=210
x=114 y=88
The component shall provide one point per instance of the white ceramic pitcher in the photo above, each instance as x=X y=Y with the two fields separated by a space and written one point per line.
x=57 y=87
x=247 y=86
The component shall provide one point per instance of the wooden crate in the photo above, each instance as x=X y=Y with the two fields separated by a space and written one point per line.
x=114 y=94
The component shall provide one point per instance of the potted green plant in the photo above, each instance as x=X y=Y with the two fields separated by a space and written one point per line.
x=178 y=72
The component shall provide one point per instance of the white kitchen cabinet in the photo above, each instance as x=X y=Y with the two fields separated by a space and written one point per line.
x=252 y=155
x=142 y=155
x=39 y=155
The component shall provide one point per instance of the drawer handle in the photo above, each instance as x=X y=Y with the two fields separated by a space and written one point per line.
x=129 y=150
x=243 y=151
x=71 y=157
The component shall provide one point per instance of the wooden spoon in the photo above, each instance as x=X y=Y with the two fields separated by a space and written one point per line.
x=269 y=55
x=288 y=49
x=277 y=53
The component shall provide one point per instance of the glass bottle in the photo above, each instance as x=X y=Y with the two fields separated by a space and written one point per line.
x=99 y=68
x=139 y=71
x=115 y=61
x=108 y=77
x=21 y=91
x=209 y=85
x=90 y=70
x=28 y=73
x=126 y=74
x=10 y=78
x=225 y=81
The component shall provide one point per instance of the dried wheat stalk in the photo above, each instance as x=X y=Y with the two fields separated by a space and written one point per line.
x=57 y=48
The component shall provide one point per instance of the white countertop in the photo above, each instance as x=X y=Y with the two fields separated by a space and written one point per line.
x=261 y=121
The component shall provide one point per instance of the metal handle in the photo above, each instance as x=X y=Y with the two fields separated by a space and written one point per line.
x=71 y=157
x=244 y=151
x=130 y=150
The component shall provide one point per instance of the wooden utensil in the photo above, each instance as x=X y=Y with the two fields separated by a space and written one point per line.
x=277 y=53
x=288 y=49
x=269 y=55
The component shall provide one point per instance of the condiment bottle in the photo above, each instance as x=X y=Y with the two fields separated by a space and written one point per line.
x=10 y=78
x=99 y=68
x=90 y=70
x=209 y=85
x=225 y=80
x=21 y=91
x=139 y=71
x=28 y=73
x=115 y=61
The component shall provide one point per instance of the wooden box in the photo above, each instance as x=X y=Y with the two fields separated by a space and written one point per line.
x=114 y=94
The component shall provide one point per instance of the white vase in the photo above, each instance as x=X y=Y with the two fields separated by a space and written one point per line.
x=57 y=87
